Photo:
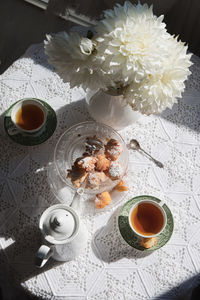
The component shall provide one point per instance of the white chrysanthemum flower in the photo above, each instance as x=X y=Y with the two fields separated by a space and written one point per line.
x=72 y=56
x=129 y=42
x=134 y=45
x=161 y=89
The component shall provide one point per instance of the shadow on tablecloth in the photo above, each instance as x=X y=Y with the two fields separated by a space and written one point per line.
x=187 y=290
x=109 y=246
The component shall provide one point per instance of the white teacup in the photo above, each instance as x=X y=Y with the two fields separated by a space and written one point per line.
x=31 y=102
x=147 y=218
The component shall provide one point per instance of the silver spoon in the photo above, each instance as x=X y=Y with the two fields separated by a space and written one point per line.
x=134 y=144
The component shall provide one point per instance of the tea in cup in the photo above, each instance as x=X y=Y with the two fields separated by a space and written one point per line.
x=147 y=218
x=28 y=116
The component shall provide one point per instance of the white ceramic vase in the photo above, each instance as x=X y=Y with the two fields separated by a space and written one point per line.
x=110 y=109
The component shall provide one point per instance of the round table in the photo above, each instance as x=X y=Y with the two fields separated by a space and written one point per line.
x=109 y=268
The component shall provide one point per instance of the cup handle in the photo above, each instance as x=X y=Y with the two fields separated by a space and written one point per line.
x=12 y=131
x=161 y=203
x=43 y=254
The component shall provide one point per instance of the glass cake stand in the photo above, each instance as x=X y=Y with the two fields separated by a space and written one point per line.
x=69 y=147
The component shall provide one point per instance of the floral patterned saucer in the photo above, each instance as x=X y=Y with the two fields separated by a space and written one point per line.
x=129 y=236
x=34 y=138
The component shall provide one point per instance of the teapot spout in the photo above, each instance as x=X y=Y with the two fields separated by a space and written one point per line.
x=76 y=199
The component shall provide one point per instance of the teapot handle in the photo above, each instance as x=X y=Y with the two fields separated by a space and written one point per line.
x=43 y=254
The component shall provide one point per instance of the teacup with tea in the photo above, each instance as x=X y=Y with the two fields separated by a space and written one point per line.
x=28 y=116
x=147 y=218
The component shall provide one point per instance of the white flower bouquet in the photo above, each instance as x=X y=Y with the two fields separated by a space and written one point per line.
x=129 y=50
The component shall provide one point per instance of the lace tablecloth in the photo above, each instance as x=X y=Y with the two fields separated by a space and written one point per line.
x=109 y=268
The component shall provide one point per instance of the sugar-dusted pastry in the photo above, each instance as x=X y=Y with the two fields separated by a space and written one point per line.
x=102 y=200
x=94 y=179
x=115 y=170
x=102 y=163
x=87 y=163
x=121 y=187
x=77 y=176
x=148 y=242
x=113 y=149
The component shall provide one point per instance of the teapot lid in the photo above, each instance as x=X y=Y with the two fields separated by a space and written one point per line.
x=59 y=223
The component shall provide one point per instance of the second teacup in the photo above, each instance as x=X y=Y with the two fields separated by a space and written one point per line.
x=147 y=218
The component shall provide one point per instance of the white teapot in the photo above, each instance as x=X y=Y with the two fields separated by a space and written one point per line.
x=65 y=234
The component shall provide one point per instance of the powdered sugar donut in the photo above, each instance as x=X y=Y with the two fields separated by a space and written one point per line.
x=115 y=171
x=88 y=163
x=94 y=179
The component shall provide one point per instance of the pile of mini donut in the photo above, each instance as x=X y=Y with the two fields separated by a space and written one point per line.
x=95 y=167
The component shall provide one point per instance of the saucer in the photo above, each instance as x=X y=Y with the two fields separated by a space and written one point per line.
x=129 y=236
x=35 y=138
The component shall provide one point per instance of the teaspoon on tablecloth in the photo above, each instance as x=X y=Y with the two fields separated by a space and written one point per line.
x=134 y=144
